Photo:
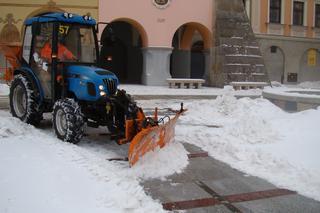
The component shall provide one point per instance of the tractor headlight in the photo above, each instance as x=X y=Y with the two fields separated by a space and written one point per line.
x=86 y=17
x=68 y=15
x=101 y=87
x=103 y=93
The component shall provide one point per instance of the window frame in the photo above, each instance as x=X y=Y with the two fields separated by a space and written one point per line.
x=317 y=3
x=305 y=12
x=279 y=21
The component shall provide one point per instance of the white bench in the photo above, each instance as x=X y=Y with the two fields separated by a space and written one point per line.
x=248 y=85
x=185 y=83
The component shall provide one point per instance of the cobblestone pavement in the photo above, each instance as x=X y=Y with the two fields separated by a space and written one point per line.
x=208 y=185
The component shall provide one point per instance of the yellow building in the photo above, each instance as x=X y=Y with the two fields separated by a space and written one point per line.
x=14 y=12
x=289 y=35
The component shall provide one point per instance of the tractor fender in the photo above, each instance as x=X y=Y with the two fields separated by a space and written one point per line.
x=32 y=78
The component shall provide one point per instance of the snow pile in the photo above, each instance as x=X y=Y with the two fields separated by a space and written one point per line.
x=276 y=84
x=294 y=92
x=303 y=85
x=310 y=85
x=258 y=138
x=162 y=162
x=4 y=89
x=11 y=127
x=40 y=173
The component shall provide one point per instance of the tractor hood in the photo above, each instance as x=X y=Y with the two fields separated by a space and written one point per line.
x=90 y=72
x=90 y=82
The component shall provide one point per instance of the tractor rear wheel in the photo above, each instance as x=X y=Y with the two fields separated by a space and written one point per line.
x=24 y=101
x=67 y=119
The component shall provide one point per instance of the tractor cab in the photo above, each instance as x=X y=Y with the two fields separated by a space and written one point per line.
x=61 y=47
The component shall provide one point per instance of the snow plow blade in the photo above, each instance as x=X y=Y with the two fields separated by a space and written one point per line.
x=151 y=137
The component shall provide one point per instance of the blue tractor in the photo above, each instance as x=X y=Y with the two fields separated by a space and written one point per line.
x=59 y=73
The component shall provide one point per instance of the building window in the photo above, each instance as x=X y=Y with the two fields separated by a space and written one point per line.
x=273 y=49
x=275 y=11
x=298 y=13
x=317 y=16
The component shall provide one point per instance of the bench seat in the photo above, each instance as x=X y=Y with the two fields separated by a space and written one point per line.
x=248 y=85
x=185 y=83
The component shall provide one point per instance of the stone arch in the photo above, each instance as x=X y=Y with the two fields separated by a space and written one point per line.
x=190 y=29
x=138 y=27
x=122 y=42
x=309 y=72
x=274 y=58
x=188 y=61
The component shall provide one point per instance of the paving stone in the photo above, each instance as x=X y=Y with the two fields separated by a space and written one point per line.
x=290 y=203
x=192 y=148
x=206 y=169
x=173 y=192
x=239 y=184
x=223 y=180
x=211 y=209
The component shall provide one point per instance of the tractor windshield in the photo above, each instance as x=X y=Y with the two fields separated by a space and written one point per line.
x=76 y=43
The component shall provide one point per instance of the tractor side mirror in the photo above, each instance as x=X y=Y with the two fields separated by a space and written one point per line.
x=35 y=28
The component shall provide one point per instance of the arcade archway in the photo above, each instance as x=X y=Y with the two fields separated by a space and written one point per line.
x=191 y=51
x=121 y=52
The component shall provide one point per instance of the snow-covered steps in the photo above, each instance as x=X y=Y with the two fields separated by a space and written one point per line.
x=248 y=85
x=236 y=48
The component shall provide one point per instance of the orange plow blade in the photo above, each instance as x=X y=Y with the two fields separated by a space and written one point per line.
x=150 y=138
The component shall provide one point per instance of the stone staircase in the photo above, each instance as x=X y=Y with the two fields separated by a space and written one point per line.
x=237 y=52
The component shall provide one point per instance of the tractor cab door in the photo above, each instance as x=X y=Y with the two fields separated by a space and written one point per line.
x=41 y=57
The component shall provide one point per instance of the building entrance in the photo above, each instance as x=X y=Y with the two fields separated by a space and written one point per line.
x=190 y=44
x=121 y=51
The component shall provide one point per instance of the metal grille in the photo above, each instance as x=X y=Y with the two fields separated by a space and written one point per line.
x=111 y=85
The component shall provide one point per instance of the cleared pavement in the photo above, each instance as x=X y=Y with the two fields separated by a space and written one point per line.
x=208 y=185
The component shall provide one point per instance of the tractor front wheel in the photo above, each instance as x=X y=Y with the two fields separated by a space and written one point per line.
x=68 y=121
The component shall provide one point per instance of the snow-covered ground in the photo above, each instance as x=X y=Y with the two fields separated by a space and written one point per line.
x=310 y=85
x=4 y=89
x=257 y=138
x=39 y=173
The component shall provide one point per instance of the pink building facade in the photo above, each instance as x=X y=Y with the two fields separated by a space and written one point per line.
x=148 y=41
